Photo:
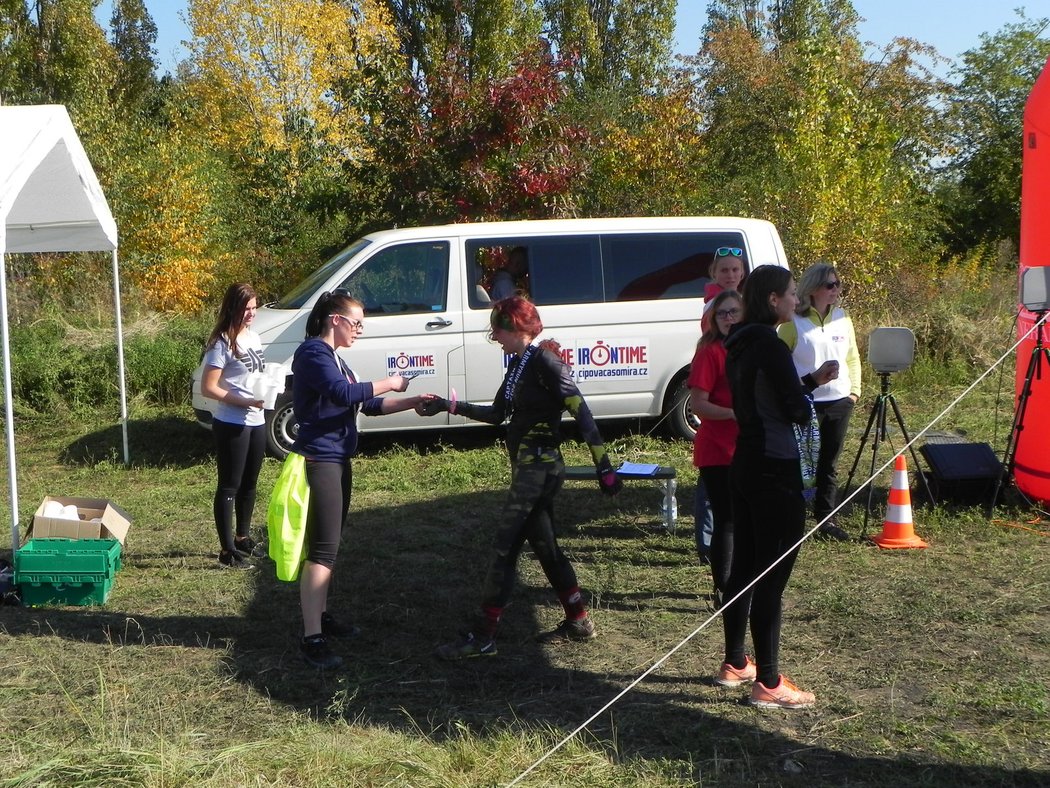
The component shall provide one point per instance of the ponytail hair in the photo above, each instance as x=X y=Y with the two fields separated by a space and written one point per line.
x=334 y=302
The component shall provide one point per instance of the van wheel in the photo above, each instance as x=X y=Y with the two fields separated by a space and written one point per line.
x=281 y=427
x=681 y=423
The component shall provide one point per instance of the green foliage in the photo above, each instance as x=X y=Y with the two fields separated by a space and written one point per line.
x=61 y=368
x=980 y=188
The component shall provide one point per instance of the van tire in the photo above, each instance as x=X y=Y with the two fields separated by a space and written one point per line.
x=681 y=423
x=281 y=427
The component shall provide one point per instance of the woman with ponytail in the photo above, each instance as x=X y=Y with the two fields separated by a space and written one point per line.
x=327 y=396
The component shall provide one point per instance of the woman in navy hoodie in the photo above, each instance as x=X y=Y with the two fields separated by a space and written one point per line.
x=327 y=397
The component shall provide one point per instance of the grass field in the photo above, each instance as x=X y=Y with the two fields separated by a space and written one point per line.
x=930 y=666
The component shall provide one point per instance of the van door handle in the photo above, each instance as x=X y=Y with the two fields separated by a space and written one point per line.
x=442 y=323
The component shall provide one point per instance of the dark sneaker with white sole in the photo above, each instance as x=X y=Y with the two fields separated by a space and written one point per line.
x=579 y=630
x=317 y=654
x=249 y=547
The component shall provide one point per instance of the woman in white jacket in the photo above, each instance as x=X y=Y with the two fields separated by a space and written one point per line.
x=821 y=331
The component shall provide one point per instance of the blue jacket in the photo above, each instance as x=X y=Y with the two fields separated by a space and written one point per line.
x=326 y=403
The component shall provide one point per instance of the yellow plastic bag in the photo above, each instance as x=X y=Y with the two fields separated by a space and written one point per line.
x=286 y=518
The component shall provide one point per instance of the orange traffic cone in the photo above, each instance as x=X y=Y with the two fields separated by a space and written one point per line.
x=897 y=530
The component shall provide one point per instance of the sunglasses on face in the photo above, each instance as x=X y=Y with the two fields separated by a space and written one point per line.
x=353 y=322
x=725 y=251
x=833 y=285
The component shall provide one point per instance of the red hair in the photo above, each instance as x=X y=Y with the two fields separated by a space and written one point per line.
x=516 y=314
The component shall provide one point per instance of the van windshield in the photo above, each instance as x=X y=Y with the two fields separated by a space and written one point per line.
x=301 y=293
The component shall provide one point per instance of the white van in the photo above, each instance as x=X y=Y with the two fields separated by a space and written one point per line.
x=623 y=297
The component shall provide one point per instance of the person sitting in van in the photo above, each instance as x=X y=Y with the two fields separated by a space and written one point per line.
x=513 y=278
x=537 y=389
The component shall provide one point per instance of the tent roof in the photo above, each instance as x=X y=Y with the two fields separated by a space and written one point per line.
x=50 y=199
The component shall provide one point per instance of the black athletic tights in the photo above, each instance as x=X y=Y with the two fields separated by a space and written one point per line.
x=239 y=452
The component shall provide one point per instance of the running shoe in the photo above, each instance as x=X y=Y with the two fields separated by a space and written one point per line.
x=316 y=653
x=831 y=532
x=465 y=647
x=783 y=696
x=578 y=630
x=248 y=547
x=728 y=676
x=234 y=560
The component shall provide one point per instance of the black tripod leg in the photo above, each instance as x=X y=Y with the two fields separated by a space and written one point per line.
x=879 y=414
x=860 y=449
x=914 y=456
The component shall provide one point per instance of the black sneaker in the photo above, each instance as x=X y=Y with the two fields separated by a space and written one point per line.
x=234 y=560
x=466 y=647
x=578 y=630
x=830 y=532
x=248 y=547
x=331 y=628
x=316 y=653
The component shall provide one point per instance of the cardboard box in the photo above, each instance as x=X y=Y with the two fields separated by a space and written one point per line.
x=111 y=521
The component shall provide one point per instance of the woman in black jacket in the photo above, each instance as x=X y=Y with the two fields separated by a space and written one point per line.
x=766 y=482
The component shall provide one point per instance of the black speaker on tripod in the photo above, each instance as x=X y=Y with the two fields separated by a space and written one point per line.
x=962 y=472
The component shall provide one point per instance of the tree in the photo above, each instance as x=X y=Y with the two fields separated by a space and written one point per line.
x=134 y=37
x=980 y=188
x=617 y=43
x=805 y=132
x=454 y=149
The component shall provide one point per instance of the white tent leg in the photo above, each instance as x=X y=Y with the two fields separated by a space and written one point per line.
x=9 y=410
x=120 y=358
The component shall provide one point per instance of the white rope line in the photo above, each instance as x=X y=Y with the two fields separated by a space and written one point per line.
x=769 y=568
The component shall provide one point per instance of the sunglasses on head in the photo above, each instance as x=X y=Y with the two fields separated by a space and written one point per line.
x=725 y=251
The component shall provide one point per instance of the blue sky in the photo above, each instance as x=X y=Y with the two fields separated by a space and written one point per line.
x=952 y=26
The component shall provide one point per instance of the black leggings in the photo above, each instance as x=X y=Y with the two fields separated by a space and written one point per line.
x=768 y=517
x=239 y=454
x=528 y=515
x=716 y=480
x=330 y=487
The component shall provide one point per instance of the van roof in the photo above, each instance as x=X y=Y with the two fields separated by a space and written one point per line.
x=543 y=226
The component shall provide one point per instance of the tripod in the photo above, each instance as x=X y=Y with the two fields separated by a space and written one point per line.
x=1034 y=372
x=877 y=419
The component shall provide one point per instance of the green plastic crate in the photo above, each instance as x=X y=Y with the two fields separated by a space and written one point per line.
x=66 y=571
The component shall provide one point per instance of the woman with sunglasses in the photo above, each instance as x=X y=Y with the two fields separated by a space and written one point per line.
x=536 y=390
x=327 y=396
x=820 y=331
x=712 y=402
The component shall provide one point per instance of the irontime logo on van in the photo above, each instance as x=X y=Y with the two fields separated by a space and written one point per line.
x=591 y=359
x=411 y=366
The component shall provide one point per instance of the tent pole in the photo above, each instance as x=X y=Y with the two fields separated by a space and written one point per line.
x=120 y=358
x=9 y=410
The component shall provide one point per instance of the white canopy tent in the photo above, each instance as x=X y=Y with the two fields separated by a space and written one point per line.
x=50 y=201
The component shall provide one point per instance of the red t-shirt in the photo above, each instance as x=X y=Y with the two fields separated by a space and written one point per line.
x=716 y=438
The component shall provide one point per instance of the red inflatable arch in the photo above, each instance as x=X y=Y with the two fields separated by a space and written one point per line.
x=1032 y=457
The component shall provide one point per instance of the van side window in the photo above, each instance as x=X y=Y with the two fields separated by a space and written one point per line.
x=411 y=277
x=565 y=270
x=661 y=265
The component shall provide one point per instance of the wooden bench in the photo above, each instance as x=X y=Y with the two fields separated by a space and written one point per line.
x=665 y=476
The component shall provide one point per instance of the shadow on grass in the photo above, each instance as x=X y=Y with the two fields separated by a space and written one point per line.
x=162 y=442
x=409 y=576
